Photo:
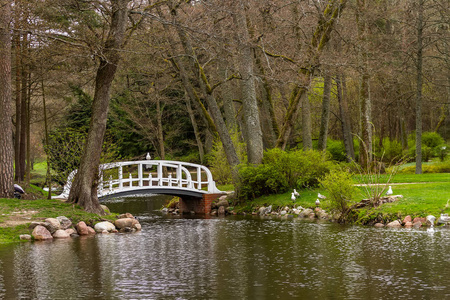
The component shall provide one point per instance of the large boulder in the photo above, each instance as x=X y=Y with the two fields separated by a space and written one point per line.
x=52 y=225
x=394 y=224
x=262 y=211
x=64 y=222
x=125 y=216
x=70 y=231
x=221 y=211
x=223 y=202
x=34 y=224
x=105 y=209
x=91 y=230
x=41 y=233
x=82 y=228
x=61 y=234
x=102 y=226
x=305 y=213
x=409 y=224
x=125 y=222
x=407 y=219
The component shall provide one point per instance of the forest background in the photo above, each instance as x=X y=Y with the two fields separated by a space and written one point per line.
x=220 y=82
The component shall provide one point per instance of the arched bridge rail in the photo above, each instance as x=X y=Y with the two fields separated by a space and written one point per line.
x=151 y=176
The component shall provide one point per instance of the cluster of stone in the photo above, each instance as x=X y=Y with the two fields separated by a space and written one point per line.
x=221 y=207
x=292 y=212
x=407 y=222
x=62 y=227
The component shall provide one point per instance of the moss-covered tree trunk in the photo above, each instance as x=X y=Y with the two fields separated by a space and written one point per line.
x=84 y=187
x=325 y=119
x=419 y=85
x=6 y=142
x=252 y=124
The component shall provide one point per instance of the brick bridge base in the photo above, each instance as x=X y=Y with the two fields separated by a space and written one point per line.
x=197 y=205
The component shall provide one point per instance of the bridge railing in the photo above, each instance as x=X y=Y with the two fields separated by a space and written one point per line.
x=150 y=174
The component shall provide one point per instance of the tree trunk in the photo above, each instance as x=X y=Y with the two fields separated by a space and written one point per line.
x=84 y=187
x=306 y=123
x=345 y=119
x=6 y=142
x=160 y=129
x=23 y=109
x=365 y=150
x=252 y=124
x=213 y=107
x=323 y=135
x=48 y=178
x=419 y=84
x=201 y=151
x=18 y=82
x=268 y=122
x=28 y=166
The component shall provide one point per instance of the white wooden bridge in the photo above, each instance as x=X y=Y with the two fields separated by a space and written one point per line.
x=150 y=177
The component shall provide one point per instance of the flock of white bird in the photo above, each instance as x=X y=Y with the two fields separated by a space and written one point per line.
x=296 y=194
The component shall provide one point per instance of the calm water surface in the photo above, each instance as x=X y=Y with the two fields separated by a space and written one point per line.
x=230 y=258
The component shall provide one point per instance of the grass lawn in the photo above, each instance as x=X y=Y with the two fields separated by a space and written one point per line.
x=423 y=194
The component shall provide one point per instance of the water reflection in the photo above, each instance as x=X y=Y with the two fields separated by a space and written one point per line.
x=233 y=257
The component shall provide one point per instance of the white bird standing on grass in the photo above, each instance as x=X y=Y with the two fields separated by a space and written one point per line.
x=293 y=197
x=296 y=194
x=317 y=202
x=320 y=196
x=389 y=192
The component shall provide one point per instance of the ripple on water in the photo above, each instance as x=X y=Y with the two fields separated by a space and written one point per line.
x=223 y=258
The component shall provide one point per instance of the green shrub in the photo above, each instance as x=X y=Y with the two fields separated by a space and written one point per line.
x=432 y=139
x=442 y=167
x=390 y=150
x=261 y=180
x=341 y=189
x=282 y=170
x=336 y=148
x=217 y=159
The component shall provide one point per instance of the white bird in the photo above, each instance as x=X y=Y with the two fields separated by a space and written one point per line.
x=389 y=192
x=18 y=188
x=296 y=194
x=148 y=157
x=293 y=197
x=317 y=202
x=321 y=196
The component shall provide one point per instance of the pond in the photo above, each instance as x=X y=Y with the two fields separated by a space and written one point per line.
x=233 y=257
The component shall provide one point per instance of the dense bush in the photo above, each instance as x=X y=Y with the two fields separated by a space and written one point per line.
x=336 y=148
x=432 y=144
x=282 y=170
x=390 y=149
x=442 y=167
x=341 y=189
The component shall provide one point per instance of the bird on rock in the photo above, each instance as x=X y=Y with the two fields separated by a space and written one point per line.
x=321 y=196
x=293 y=197
x=317 y=202
x=296 y=194
x=389 y=192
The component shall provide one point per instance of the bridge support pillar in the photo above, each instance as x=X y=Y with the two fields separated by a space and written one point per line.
x=197 y=205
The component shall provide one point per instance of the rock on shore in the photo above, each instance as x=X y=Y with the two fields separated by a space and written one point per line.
x=62 y=227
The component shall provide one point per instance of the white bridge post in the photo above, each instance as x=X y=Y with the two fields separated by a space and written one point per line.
x=120 y=177
x=140 y=176
x=199 y=178
x=160 y=174
x=179 y=175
